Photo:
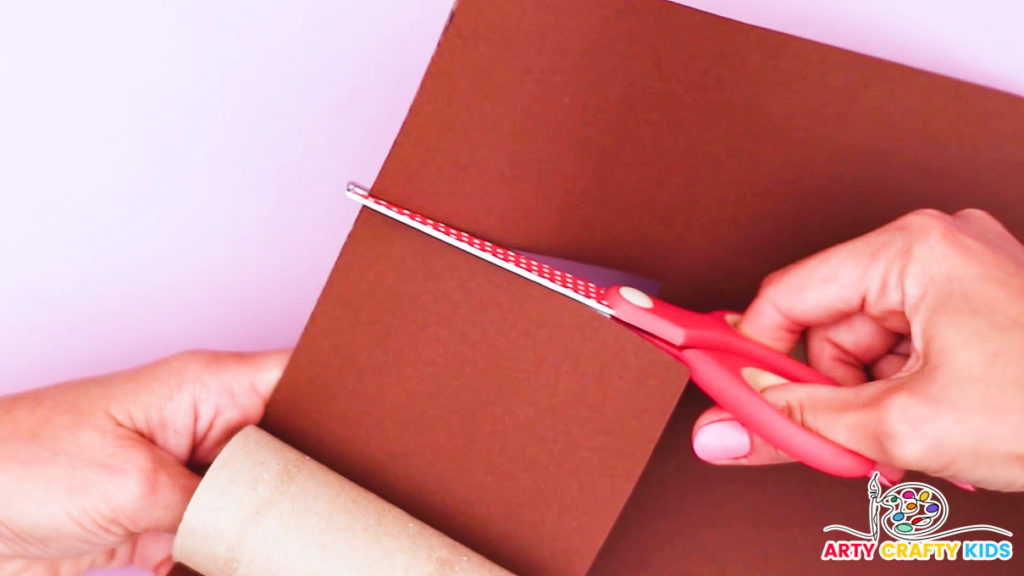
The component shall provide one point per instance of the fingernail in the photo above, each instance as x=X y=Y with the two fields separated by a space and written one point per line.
x=962 y=485
x=888 y=475
x=733 y=319
x=721 y=440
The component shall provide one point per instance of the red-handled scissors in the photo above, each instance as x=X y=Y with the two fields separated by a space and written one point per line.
x=730 y=368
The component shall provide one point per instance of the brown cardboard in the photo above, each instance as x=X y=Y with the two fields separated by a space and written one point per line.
x=649 y=137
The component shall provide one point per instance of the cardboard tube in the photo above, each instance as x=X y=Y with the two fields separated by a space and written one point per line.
x=265 y=509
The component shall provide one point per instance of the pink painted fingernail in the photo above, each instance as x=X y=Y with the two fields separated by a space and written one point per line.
x=962 y=485
x=888 y=475
x=721 y=440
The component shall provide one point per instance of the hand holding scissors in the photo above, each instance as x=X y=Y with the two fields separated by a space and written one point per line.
x=731 y=368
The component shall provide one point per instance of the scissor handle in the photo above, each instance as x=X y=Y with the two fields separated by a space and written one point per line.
x=721 y=376
x=767 y=359
x=726 y=365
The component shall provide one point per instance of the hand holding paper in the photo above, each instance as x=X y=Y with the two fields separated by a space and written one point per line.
x=93 y=472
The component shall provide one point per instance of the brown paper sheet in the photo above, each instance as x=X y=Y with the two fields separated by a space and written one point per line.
x=266 y=509
x=649 y=137
x=474 y=399
x=653 y=138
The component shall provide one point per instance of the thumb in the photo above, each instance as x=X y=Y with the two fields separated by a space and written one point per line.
x=846 y=415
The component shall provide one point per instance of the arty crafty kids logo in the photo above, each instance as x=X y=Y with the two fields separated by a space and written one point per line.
x=912 y=513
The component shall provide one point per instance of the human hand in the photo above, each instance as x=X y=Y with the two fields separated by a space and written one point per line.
x=94 y=473
x=921 y=322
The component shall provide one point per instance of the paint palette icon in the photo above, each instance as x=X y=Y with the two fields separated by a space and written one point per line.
x=908 y=512
x=914 y=510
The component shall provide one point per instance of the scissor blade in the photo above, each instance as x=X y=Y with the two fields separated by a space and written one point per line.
x=564 y=283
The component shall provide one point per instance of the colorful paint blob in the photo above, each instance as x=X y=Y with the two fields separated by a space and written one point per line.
x=914 y=510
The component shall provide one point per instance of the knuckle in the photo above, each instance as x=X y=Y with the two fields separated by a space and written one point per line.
x=203 y=361
x=976 y=215
x=930 y=231
x=771 y=281
x=140 y=487
x=926 y=223
x=902 y=429
x=985 y=228
x=191 y=357
x=926 y=216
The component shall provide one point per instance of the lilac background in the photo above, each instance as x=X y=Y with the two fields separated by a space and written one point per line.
x=171 y=173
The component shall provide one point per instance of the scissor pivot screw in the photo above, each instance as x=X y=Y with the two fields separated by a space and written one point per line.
x=636 y=297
